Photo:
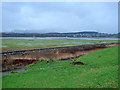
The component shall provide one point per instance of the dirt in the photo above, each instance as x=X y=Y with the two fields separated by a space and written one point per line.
x=16 y=64
x=18 y=61
x=113 y=45
x=78 y=63
x=24 y=61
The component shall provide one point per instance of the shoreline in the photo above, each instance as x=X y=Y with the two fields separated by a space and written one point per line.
x=63 y=38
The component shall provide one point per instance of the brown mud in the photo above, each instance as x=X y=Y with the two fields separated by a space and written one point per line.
x=71 y=53
x=78 y=63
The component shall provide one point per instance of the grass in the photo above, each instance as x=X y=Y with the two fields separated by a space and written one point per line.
x=100 y=71
x=18 y=44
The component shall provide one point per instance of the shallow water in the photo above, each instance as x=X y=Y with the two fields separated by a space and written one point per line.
x=20 y=43
x=3 y=46
x=29 y=44
x=78 y=43
x=22 y=70
x=15 y=71
x=25 y=44
x=59 y=38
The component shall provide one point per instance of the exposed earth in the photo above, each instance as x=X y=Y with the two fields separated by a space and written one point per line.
x=72 y=53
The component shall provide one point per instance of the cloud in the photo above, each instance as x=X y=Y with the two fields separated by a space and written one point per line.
x=60 y=17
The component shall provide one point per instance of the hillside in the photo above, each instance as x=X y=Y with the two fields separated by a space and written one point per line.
x=100 y=70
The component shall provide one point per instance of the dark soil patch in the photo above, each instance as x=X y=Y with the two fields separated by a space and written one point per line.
x=18 y=63
x=78 y=63
x=23 y=61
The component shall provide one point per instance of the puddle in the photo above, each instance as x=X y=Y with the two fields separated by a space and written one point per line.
x=29 y=44
x=26 y=44
x=78 y=43
x=15 y=71
x=50 y=67
x=21 y=43
x=88 y=43
x=3 y=46
x=40 y=44
x=22 y=70
x=104 y=42
x=66 y=43
x=54 y=66
x=81 y=43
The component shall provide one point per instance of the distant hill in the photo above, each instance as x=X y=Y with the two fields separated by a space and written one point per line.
x=55 y=34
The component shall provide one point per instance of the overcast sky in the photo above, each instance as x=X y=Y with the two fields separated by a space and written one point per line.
x=60 y=16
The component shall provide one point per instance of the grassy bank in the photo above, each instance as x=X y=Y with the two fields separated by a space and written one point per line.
x=100 y=71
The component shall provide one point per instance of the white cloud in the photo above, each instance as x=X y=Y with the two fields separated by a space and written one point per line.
x=60 y=17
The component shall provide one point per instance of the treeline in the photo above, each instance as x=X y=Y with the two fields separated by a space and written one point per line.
x=76 y=34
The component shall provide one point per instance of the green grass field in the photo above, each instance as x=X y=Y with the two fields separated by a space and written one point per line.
x=22 y=44
x=11 y=43
x=100 y=71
